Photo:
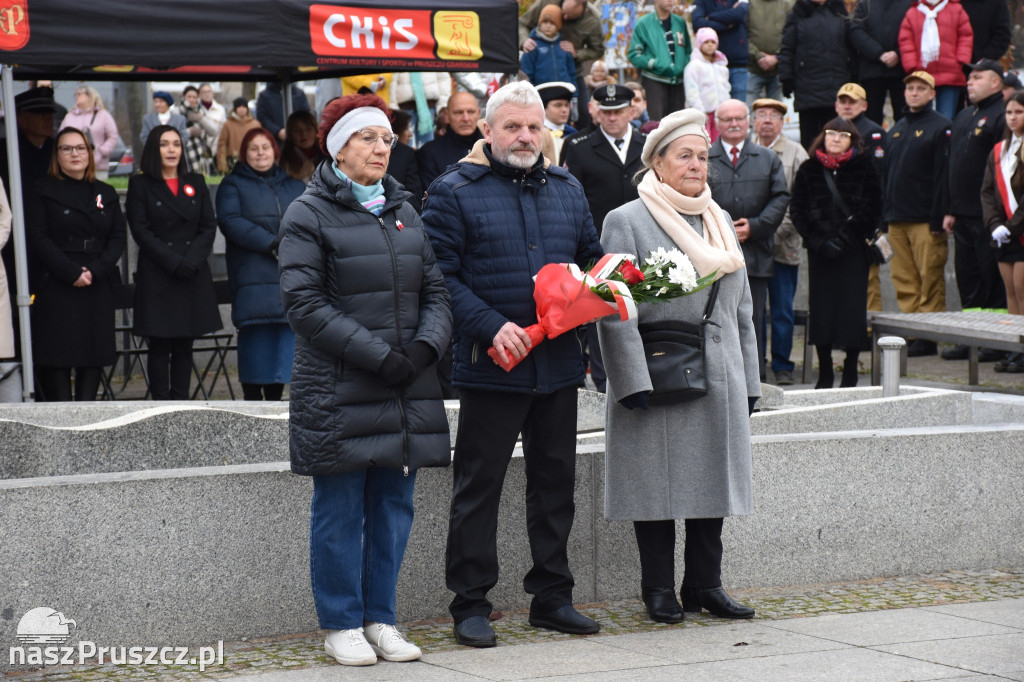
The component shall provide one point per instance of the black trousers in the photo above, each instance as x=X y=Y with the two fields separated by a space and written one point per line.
x=759 y=294
x=489 y=423
x=262 y=391
x=55 y=383
x=170 y=368
x=876 y=89
x=812 y=122
x=702 y=555
x=976 y=265
x=663 y=99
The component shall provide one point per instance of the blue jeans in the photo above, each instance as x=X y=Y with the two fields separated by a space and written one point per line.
x=781 y=289
x=755 y=84
x=946 y=99
x=738 y=82
x=358 y=528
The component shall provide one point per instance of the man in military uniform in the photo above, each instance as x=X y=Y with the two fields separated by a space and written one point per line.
x=975 y=131
x=604 y=162
x=915 y=198
x=557 y=98
x=852 y=104
x=748 y=181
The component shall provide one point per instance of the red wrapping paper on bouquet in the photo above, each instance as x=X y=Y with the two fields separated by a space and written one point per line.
x=565 y=301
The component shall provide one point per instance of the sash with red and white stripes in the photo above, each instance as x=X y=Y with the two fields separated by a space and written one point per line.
x=1003 y=182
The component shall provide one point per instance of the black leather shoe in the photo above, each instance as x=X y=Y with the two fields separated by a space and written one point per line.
x=715 y=600
x=920 y=348
x=475 y=631
x=958 y=352
x=565 y=619
x=990 y=355
x=662 y=606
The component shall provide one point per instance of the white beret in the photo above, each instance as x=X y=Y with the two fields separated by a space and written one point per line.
x=676 y=124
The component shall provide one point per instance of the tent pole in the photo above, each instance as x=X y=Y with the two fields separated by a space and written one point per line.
x=286 y=96
x=24 y=300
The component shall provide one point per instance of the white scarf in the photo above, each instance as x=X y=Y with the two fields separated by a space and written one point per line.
x=1007 y=166
x=716 y=250
x=930 y=34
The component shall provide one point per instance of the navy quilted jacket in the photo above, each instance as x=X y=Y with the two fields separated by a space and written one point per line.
x=354 y=286
x=493 y=227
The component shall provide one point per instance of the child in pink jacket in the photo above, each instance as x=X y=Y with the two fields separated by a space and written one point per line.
x=706 y=77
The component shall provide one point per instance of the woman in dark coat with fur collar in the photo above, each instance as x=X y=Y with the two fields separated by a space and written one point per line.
x=835 y=239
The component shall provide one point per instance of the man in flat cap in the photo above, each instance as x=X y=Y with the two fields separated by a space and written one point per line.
x=1011 y=84
x=162 y=114
x=976 y=129
x=769 y=117
x=748 y=181
x=605 y=162
x=915 y=202
x=557 y=97
x=852 y=104
x=35 y=109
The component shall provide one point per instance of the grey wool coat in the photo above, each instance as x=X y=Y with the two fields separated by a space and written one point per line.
x=690 y=460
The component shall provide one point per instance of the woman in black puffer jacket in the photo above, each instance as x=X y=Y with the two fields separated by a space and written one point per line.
x=835 y=235
x=370 y=311
x=815 y=61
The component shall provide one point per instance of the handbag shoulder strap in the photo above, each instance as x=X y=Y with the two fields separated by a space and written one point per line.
x=709 y=308
x=830 y=181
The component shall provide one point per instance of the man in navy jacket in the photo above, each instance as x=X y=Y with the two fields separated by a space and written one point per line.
x=494 y=220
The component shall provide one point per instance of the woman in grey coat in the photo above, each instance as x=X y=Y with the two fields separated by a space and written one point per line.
x=689 y=460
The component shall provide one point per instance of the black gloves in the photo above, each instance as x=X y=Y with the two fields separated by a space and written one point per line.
x=420 y=354
x=832 y=248
x=750 y=404
x=631 y=402
x=186 y=270
x=396 y=370
x=787 y=88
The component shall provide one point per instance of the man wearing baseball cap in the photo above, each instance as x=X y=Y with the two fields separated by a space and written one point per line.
x=852 y=104
x=769 y=117
x=915 y=197
x=605 y=161
x=1011 y=84
x=975 y=131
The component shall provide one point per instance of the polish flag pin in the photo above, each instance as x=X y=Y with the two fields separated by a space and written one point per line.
x=99 y=201
x=190 y=190
x=398 y=224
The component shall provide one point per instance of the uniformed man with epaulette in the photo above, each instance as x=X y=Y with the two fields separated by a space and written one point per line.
x=852 y=104
x=975 y=131
x=605 y=161
x=915 y=202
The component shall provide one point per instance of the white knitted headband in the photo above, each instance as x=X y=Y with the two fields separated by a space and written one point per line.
x=347 y=125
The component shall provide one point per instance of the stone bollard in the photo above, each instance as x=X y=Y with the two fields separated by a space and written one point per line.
x=891 y=347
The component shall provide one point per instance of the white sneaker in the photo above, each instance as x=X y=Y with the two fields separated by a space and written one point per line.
x=349 y=647
x=389 y=644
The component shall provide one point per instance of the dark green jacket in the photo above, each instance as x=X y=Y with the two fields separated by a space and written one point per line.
x=648 y=49
x=765 y=21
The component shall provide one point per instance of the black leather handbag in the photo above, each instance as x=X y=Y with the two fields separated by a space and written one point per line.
x=674 y=351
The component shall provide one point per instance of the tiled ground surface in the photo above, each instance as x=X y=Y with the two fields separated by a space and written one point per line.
x=616 y=618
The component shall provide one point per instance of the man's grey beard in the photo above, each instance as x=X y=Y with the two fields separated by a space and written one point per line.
x=509 y=158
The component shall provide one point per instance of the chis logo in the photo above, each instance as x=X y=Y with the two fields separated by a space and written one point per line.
x=341 y=31
x=13 y=24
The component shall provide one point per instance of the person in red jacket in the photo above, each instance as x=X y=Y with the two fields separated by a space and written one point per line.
x=936 y=37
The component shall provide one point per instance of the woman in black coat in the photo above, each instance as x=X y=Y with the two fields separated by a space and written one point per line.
x=75 y=233
x=815 y=61
x=370 y=311
x=171 y=218
x=836 y=240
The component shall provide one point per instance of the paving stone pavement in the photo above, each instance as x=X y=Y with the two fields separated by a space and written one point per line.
x=863 y=647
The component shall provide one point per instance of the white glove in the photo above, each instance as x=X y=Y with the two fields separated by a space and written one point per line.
x=1001 y=235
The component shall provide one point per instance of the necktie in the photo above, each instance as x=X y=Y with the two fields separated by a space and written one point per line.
x=618 y=143
x=735 y=156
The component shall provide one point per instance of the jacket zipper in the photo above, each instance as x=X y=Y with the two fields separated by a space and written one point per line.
x=398 y=332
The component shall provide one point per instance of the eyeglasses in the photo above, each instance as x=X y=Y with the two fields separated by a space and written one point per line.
x=68 y=150
x=370 y=137
x=837 y=133
x=767 y=115
x=734 y=119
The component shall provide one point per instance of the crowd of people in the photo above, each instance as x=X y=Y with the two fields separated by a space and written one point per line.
x=379 y=243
